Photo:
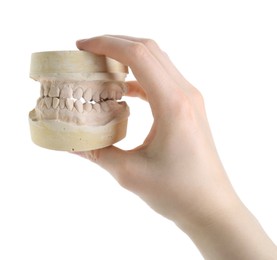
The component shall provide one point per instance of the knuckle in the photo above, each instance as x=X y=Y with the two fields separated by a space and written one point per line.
x=137 y=50
x=192 y=96
x=185 y=106
x=189 y=103
x=149 y=43
x=196 y=95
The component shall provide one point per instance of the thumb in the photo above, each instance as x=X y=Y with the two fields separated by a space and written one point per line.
x=112 y=159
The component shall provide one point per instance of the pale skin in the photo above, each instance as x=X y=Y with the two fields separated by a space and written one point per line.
x=177 y=170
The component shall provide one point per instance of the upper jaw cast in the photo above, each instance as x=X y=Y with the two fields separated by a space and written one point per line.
x=92 y=103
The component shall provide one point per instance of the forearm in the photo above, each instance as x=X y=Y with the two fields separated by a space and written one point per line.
x=232 y=234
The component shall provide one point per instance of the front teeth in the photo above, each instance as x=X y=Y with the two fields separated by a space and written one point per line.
x=63 y=95
x=62 y=103
x=56 y=102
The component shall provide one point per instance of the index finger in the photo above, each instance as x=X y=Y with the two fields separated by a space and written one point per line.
x=150 y=74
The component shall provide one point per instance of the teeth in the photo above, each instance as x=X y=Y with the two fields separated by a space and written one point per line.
x=88 y=95
x=66 y=92
x=96 y=97
x=78 y=102
x=111 y=103
x=78 y=93
x=39 y=100
x=104 y=94
x=56 y=102
x=87 y=107
x=54 y=91
x=124 y=88
x=69 y=104
x=48 y=102
x=79 y=106
x=62 y=103
x=97 y=107
x=41 y=91
x=112 y=95
x=118 y=95
x=105 y=106
x=40 y=103
x=46 y=88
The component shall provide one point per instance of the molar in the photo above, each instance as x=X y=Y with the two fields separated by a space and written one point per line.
x=111 y=103
x=118 y=95
x=105 y=107
x=124 y=87
x=112 y=94
x=104 y=94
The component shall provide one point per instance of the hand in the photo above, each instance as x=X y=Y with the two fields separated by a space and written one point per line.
x=177 y=164
x=177 y=170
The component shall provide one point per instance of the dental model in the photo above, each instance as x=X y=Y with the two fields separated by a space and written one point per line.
x=77 y=109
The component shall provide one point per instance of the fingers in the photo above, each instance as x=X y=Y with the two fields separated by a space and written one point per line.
x=135 y=90
x=162 y=57
x=151 y=75
x=115 y=161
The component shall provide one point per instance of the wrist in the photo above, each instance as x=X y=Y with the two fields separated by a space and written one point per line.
x=230 y=231
x=209 y=210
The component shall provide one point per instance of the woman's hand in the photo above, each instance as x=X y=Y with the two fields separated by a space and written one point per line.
x=177 y=170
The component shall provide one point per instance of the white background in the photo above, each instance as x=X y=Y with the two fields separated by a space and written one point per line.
x=54 y=205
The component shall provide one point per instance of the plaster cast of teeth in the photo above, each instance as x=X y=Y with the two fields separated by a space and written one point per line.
x=77 y=109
